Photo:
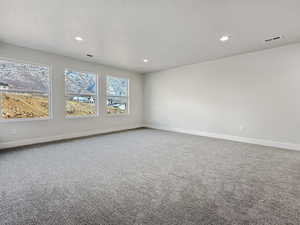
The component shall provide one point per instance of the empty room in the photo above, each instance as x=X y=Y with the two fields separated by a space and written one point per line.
x=135 y=112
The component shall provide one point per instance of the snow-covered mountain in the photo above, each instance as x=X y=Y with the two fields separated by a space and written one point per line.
x=116 y=86
x=28 y=77
x=77 y=83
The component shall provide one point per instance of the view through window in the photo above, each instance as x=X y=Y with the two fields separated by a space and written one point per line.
x=117 y=95
x=24 y=90
x=81 y=93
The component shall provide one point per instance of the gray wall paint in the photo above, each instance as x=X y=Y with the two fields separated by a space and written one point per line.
x=254 y=95
x=15 y=133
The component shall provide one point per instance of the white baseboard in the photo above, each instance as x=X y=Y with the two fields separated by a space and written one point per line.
x=269 y=143
x=24 y=142
x=289 y=146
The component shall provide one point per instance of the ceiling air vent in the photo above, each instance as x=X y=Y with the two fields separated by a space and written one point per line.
x=273 y=39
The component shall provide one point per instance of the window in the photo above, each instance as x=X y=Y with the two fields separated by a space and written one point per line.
x=24 y=91
x=117 y=95
x=80 y=94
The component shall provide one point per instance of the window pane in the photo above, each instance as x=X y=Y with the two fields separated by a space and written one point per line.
x=81 y=105
x=116 y=86
x=23 y=105
x=81 y=93
x=24 y=90
x=78 y=83
x=116 y=105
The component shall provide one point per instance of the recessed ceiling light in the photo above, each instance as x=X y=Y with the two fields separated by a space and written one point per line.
x=224 y=38
x=145 y=60
x=78 y=38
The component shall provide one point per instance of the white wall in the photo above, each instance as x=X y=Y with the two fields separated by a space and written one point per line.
x=27 y=132
x=252 y=97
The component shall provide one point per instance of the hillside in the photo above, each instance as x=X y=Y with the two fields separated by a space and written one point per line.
x=24 y=76
x=34 y=106
x=116 y=86
x=80 y=83
x=23 y=106
x=20 y=76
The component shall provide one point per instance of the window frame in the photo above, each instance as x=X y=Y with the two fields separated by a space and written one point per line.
x=50 y=97
x=127 y=112
x=97 y=95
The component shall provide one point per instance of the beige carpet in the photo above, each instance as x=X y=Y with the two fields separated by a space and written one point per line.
x=149 y=177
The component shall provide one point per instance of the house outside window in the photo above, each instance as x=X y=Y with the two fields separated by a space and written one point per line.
x=81 y=90
x=117 y=95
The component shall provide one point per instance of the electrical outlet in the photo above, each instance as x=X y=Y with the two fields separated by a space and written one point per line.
x=241 y=127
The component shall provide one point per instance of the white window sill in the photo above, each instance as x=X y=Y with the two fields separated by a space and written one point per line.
x=117 y=114
x=24 y=120
x=80 y=117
